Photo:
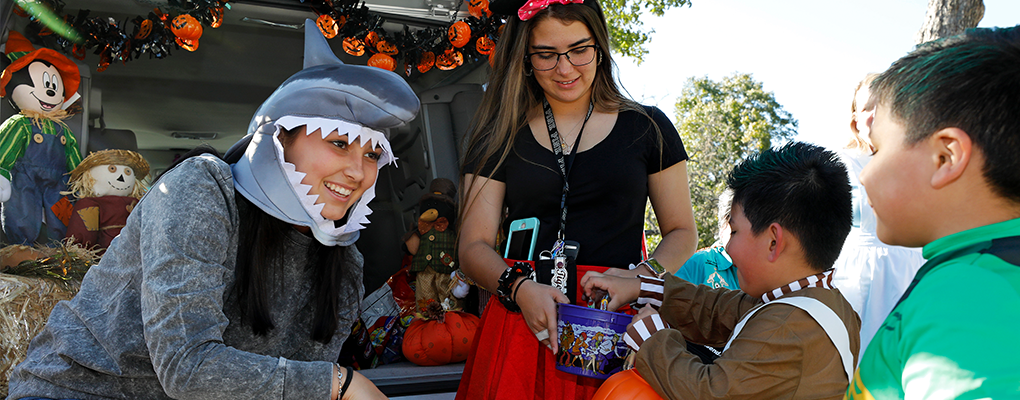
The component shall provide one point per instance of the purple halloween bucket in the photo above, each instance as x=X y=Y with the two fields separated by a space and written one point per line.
x=591 y=341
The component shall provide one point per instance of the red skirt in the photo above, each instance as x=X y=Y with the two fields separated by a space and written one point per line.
x=508 y=362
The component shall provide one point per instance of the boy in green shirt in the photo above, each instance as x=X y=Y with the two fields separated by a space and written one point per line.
x=946 y=176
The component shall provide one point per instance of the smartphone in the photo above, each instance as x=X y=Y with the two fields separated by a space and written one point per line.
x=520 y=244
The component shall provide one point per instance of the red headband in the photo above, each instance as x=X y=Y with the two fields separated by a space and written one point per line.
x=529 y=9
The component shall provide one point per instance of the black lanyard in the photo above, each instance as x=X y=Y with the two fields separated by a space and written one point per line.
x=557 y=148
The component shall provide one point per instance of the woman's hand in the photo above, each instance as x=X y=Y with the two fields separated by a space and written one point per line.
x=361 y=388
x=538 y=306
x=621 y=290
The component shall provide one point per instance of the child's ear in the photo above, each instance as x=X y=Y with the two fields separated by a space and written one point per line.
x=777 y=235
x=952 y=151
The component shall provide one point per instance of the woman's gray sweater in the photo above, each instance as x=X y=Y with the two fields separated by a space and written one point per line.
x=157 y=317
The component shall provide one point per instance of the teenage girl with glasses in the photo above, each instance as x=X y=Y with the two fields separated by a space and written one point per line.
x=553 y=73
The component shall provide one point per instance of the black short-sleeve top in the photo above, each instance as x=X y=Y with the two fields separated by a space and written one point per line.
x=608 y=187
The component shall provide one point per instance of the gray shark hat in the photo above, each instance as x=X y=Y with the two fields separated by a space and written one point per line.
x=327 y=95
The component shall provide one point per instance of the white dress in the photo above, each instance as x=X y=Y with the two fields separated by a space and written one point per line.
x=870 y=274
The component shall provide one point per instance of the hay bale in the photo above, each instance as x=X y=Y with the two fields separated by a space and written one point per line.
x=25 y=305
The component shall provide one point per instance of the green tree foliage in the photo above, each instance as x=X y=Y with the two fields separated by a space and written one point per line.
x=722 y=123
x=624 y=19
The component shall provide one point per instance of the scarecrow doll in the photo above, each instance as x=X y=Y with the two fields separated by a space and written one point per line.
x=108 y=185
x=433 y=245
x=37 y=148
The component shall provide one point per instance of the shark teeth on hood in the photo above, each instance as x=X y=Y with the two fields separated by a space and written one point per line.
x=357 y=215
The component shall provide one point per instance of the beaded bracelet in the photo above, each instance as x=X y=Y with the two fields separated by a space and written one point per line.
x=340 y=380
x=505 y=290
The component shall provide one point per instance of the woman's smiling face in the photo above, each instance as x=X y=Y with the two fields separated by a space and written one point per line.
x=338 y=171
x=566 y=82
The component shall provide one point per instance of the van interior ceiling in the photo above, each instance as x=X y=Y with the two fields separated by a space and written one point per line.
x=165 y=107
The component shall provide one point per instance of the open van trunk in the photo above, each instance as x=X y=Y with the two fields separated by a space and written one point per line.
x=165 y=107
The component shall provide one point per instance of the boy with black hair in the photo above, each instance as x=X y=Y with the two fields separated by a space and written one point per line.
x=946 y=176
x=787 y=333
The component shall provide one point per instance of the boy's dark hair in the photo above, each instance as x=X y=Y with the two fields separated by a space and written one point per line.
x=970 y=81
x=802 y=187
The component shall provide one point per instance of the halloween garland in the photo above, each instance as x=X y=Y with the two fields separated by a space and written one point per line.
x=464 y=40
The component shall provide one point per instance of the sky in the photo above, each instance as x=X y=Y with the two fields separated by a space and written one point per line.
x=809 y=53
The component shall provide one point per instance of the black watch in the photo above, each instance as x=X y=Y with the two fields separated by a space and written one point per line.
x=505 y=289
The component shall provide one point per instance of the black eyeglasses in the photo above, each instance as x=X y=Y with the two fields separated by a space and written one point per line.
x=578 y=56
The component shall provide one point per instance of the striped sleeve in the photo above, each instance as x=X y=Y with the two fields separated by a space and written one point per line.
x=643 y=329
x=651 y=291
x=14 y=136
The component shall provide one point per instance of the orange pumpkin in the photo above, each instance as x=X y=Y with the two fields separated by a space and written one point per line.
x=428 y=59
x=104 y=59
x=217 y=17
x=484 y=45
x=626 y=385
x=386 y=47
x=460 y=34
x=78 y=51
x=449 y=60
x=144 y=29
x=186 y=27
x=380 y=60
x=371 y=39
x=186 y=44
x=440 y=341
x=477 y=8
x=354 y=46
x=327 y=25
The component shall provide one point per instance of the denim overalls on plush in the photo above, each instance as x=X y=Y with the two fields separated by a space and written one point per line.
x=36 y=182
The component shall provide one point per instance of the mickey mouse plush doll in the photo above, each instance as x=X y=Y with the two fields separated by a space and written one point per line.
x=37 y=148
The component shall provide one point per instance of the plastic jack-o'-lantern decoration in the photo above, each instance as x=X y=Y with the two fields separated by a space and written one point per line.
x=380 y=60
x=188 y=30
x=441 y=340
x=626 y=385
x=217 y=17
x=371 y=39
x=327 y=25
x=386 y=47
x=354 y=46
x=460 y=34
x=477 y=8
x=449 y=60
x=428 y=59
x=484 y=45
x=144 y=29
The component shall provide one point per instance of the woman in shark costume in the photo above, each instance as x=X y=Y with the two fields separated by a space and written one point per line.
x=238 y=279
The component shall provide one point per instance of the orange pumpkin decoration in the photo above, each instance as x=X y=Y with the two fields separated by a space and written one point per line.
x=371 y=39
x=19 y=11
x=104 y=59
x=144 y=29
x=484 y=45
x=428 y=59
x=186 y=27
x=449 y=60
x=354 y=46
x=380 y=60
x=386 y=47
x=626 y=385
x=327 y=25
x=477 y=8
x=460 y=34
x=217 y=17
x=78 y=51
x=440 y=341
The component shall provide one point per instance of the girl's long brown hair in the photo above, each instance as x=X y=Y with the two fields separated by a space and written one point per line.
x=511 y=95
